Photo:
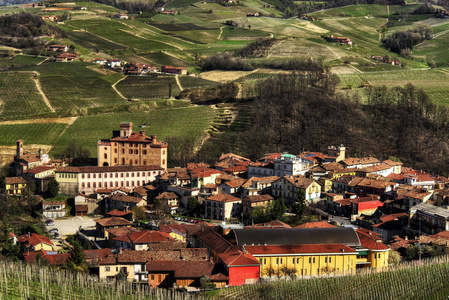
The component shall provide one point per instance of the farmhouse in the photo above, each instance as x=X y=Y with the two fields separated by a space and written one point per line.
x=174 y=70
x=127 y=147
x=65 y=57
x=340 y=40
x=14 y=185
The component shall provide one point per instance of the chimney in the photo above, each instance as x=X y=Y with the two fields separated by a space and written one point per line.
x=142 y=132
x=153 y=138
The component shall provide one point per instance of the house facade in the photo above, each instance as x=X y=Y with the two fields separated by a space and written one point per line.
x=74 y=180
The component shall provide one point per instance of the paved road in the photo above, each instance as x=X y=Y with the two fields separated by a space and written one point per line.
x=68 y=226
x=340 y=220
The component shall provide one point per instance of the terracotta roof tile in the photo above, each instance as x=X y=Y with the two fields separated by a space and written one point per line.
x=320 y=224
x=113 y=221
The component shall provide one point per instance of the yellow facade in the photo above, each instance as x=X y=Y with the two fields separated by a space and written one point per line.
x=43 y=246
x=110 y=271
x=15 y=188
x=177 y=237
x=306 y=265
x=327 y=181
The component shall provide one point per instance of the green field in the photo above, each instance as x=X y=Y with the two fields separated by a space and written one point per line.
x=434 y=82
x=19 y=96
x=21 y=60
x=191 y=121
x=44 y=134
x=148 y=87
x=188 y=82
x=92 y=42
x=161 y=58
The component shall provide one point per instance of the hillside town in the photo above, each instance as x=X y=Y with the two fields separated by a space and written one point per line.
x=234 y=222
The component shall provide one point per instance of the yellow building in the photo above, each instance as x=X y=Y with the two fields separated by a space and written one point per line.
x=35 y=242
x=304 y=261
x=309 y=252
x=327 y=181
x=15 y=185
x=288 y=187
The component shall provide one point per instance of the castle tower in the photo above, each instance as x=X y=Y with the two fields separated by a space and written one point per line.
x=338 y=152
x=126 y=129
x=19 y=149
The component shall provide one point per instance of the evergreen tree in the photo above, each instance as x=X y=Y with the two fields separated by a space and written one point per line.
x=53 y=188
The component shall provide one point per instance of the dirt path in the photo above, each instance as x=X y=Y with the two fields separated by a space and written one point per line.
x=178 y=83
x=36 y=80
x=116 y=90
x=101 y=37
x=335 y=53
x=68 y=120
x=357 y=70
x=221 y=31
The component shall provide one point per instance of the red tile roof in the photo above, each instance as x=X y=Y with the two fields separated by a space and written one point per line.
x=371 y=240
x=223 y=198
x=14 y=180
x=320 y=224
x=234 y=257
x=167 y=196
x=40 y=169
x=182 y=269
x=126 y=198
x=113 y=221
x=118 y=213
x=34 y=239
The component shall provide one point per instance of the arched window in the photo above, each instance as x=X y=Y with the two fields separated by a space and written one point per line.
x=94 y=175
x=115 y=160
x=132 y=174
x=105 y=185
x=127 y=183
x=105 y=155
x=136 y=162
x=138 y=182
x=144 y=162
x=88 y=175
x=136 y=152
x=132 y=183
x=116 y=184
x=138 y=174
x=163 y=161
x=83 y=185
x=95 y=185
x=123 y=161
x=88 y=184
x=116 y=175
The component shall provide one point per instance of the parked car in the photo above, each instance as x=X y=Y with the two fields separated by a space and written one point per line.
x=53 y=230
x=50 y=222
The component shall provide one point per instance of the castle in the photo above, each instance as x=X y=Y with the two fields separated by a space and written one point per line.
x=128 y=148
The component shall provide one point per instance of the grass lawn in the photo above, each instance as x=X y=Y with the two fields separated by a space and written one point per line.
x=43 y=134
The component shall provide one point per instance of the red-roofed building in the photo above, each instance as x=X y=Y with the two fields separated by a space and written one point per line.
x=242 y=268
x=50 y=257
x=251 y=202
x=35 y=242
x=174 y=70
x=140 y=240
x=108 y=223
x=222 y=207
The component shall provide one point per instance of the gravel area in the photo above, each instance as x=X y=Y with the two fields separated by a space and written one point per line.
x=68 y=226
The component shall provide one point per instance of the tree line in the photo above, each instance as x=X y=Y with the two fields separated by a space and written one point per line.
x=407 y=39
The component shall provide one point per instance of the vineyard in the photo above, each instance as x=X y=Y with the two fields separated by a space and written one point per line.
x=161 y=58
x=92 y=42
x=434 y=82
x=189 y=121
x=148 y=87
x=24 y=281
x=44 y=134
x=19 y=96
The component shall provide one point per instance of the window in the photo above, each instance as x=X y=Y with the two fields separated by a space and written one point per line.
x=82 y=176
x=116 y=175
x=106 y=175
x=281 y=261
x=115 y=160
x=330 y=259
x=123 y=151
x=115 y=150
x=105 y=185
x=144 y=152
x=123 y=161
x=314 y=260
x=121 y=175
x=144 y=163
x=163 y=152
x=138 y=174
x=116 y=184
x=94 y=176
x=264 y=261
x=83 y=185
x=136 y=151
x=163 y=161
x=132 y=183
x=130 y=151
x=132 y=174
x=88 y=175
x=277 y=261
x=325 y=260
x=88 y=184
x=127 y=183
x=94 y=184
x=105 y=155
x=297 y=260
x=107 y=269
x=136 y=161
x=138 y=182
x=152 y=276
